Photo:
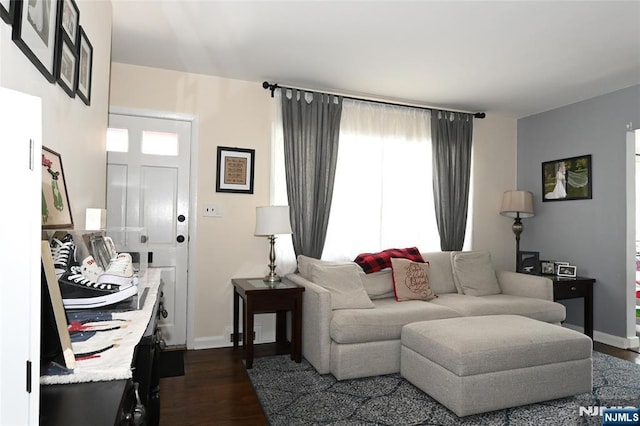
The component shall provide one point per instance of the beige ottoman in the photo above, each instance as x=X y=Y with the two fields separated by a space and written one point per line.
x=476 y=364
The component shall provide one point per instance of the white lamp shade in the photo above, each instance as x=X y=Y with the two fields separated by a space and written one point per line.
x=272 y=220
x=516 y=203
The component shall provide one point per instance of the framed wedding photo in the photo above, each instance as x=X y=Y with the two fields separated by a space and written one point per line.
x=85 y=66
x=34 y=32
x=56 y=210
x=567 y=179
x=235 y=168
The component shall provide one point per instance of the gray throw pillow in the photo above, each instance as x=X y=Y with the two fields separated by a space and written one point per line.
x=344 y=284
x=474 y=273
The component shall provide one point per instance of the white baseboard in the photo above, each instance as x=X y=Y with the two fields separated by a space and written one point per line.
x=609 y=339
x=223 y=341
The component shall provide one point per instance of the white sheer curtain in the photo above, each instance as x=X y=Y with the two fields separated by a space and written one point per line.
x=383 y=195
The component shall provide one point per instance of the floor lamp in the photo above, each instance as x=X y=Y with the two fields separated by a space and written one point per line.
x=517 y=204
x=270 y=221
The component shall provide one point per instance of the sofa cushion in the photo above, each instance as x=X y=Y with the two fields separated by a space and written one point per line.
x=305 y=262
x=501 y=304
x=378 y=285
x=344 y=284
x=385 y=322
x=440 y=272
x=474 y=274
x=373 y=262
x=411 y=280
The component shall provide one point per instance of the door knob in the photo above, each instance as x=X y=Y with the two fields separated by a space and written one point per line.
x=181 y=218
x=180 y=238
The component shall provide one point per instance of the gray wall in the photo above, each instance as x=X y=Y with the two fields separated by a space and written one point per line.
x=590 y=234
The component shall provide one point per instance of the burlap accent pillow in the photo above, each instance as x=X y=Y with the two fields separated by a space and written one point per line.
x=411 y=280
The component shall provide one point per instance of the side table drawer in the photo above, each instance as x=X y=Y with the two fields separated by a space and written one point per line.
x=569 y=290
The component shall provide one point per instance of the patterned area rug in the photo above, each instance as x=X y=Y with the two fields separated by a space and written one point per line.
x=295 y=394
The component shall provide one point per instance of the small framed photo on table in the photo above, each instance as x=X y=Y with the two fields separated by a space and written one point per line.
x=547 y=267
x=529 y=262
x=567 y=271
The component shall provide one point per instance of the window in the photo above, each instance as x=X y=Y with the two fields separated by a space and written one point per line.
x=383 y=194
x=117 y=140
x=159 y=143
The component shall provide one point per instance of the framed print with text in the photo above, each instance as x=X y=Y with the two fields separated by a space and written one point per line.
x=235 y=167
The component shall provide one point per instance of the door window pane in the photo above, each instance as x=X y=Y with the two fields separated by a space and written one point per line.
x=117 y=140
x=159 y=143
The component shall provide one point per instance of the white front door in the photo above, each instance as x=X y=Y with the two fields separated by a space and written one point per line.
x=148 y=187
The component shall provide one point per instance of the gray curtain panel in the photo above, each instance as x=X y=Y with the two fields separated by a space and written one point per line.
x=451 y=135
x=311 y=130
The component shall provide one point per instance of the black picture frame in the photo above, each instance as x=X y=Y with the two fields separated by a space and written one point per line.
x=567 y=179
x=235 y=170
x=528 y=262
x=85 y=66
x=34 y=32
x=7 y=8
x=68 y=21
x=67 y=66
x=547 y=267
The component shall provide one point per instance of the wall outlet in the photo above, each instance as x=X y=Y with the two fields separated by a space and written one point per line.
x=212 y=210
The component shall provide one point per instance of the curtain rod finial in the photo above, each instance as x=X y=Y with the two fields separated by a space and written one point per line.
x=479 y=115
x=265 y=85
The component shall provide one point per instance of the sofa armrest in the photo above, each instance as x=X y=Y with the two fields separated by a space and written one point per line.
x=316 y=316
x=517 y=284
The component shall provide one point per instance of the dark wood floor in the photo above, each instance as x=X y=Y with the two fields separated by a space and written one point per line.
x=216 y=389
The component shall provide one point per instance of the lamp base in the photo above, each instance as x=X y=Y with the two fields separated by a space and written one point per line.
x=271 y=278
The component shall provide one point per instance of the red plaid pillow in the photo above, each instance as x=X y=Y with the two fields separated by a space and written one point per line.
x=374 y=262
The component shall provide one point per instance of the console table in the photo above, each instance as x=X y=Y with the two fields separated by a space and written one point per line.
x=570 y=288
x=79 y=401
x=260 y=297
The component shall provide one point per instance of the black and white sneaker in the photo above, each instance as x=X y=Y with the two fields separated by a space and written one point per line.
x=64 y=254
x=80 y=292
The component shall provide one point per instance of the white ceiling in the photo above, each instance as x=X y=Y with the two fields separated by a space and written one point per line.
x=513 y=58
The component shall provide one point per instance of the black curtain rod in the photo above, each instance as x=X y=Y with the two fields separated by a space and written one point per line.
x=273 y=87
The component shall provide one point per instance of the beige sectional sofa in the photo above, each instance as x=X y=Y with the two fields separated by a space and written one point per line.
x=352 y=322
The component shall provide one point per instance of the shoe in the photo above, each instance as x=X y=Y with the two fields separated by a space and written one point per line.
x=90 y=269
x=79 y=292
x=119 y=271
x=64 y=254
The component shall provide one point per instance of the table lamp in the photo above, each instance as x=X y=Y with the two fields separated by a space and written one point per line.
x=271 y=221
x=517 y=204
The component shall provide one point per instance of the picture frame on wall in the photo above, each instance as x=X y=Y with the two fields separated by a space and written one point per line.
x=235 y=170
x=67 y=67
x=34 y=32
x=6 y=11
x=69 y=21
x=56 y=210
x=567 y=179
x=85 y=66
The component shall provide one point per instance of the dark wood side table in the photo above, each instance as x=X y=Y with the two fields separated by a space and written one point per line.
x=260 y=297
x=570 y=288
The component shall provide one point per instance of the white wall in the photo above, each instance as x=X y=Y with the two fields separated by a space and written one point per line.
x=239 y=114
x=70 y=127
